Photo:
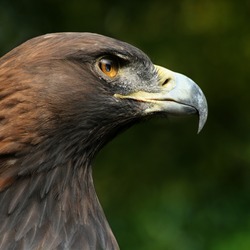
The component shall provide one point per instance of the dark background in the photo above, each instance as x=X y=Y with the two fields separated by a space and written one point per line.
x=163 y=186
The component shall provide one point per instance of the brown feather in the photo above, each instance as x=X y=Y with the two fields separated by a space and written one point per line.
x=55 y=114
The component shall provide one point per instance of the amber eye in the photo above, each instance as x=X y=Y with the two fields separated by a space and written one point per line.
x=109 y=67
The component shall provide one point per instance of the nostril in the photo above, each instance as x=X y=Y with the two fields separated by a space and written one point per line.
x=166 y=81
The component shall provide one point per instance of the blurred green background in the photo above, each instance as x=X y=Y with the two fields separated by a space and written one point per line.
x=163 y=186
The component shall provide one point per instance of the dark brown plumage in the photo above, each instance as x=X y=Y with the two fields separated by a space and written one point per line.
x=62 y=97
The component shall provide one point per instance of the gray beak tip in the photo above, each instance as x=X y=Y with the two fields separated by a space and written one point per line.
x=193 y=96
x=202 y=112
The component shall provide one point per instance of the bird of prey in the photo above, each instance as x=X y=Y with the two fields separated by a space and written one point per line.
x=63 y=96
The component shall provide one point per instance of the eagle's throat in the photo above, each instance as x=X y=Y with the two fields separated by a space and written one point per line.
x=54 y=209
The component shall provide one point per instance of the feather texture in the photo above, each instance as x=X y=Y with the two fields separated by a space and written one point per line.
x=56 y=113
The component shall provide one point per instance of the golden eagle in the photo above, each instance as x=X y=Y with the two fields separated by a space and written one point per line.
x=62 y=97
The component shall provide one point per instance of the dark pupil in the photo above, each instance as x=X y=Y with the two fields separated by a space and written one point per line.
x=108 y=67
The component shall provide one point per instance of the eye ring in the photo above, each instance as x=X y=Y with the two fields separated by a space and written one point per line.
x=109 y=66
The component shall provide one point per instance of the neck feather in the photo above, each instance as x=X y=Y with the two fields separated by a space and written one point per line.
x=54 y=209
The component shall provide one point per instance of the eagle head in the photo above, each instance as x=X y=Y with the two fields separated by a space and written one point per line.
x=62 y=97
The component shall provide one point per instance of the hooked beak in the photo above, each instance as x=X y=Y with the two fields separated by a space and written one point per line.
x=176 y=95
